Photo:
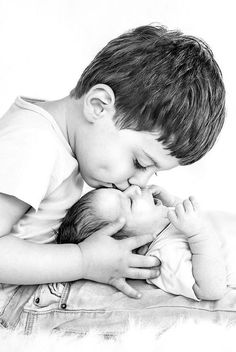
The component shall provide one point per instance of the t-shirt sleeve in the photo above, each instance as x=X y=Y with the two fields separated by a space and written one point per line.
x=27 y=158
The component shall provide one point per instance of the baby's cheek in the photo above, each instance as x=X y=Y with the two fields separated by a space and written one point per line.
x=141 y=226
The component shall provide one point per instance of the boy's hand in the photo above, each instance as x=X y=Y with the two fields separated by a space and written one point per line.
x=169 y=200
x=110 y=261
x=186 y=217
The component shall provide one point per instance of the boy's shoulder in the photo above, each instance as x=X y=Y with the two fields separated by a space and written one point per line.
x=24 y=119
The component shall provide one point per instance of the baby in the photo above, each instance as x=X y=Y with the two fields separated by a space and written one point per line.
x=193 y=262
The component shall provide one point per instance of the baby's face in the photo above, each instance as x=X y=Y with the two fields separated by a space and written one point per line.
x=143 y=213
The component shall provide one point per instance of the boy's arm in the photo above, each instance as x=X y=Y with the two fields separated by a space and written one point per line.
x=24 y=262
x=207 y=260
x=99 y=258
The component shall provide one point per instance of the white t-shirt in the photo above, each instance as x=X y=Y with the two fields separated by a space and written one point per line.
x=37 y=166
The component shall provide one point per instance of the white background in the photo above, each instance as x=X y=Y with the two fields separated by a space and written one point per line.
x=45 y=45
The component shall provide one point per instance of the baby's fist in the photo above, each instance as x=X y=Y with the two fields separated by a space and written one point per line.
x=186 y=217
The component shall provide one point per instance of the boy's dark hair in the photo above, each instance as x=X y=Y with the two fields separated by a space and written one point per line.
x=163 y=81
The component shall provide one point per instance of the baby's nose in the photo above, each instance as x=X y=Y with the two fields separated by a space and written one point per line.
x=133 y=190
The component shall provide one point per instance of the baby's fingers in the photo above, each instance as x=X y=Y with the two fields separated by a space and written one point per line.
x=188 y=206
x=194 y=202
x=122 y=286
x=179 y=210
x=155 y=189
x=171 y=215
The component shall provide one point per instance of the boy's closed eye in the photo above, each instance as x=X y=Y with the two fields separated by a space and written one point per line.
x=138 y=166
x=146 y=162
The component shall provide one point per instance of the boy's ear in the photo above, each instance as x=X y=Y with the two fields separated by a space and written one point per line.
x=98 y=102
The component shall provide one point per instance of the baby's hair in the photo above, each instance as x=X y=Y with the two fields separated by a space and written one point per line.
x=163 y=81
x=81 y=221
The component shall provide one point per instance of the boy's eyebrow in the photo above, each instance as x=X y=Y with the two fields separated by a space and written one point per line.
x=151 y=158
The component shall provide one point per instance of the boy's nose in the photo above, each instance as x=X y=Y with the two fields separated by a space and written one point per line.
x=122 y=186
x=141 y=178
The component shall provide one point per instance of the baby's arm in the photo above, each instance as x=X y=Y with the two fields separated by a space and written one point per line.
x=207 y=260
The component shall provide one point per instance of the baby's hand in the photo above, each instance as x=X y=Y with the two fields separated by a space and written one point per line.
x=168 y=199
x=186 y=217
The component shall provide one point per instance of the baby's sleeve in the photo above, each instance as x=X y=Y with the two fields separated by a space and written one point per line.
x=176 y=275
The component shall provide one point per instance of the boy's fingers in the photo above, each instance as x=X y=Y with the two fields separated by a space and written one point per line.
x=138 y=241
x=122 y=286
x=142 y=274
x=140 y=261
x=112 y=228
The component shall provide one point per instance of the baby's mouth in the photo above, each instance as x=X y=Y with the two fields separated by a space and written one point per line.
x=157 y=201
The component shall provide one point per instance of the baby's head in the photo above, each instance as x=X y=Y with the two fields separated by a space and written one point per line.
x=143 y=214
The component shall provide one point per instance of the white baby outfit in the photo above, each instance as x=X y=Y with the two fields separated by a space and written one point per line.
x=176 y=277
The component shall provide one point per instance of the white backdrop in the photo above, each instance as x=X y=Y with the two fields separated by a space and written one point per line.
x=45 y=45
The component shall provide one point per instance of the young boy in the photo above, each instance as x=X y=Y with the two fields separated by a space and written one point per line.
x=192 y=255
x=150 y=100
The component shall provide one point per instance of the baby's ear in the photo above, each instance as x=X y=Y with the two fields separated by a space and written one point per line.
x=98 y=101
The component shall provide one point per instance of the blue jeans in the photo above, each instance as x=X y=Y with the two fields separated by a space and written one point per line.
x=80 y=306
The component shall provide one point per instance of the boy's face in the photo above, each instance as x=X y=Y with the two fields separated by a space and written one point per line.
x=109 y=156
x=143 y=213
x=120 y=158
